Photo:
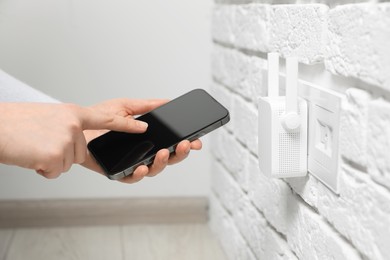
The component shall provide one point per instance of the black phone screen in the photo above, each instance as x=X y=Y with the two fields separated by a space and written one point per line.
x=182 y=118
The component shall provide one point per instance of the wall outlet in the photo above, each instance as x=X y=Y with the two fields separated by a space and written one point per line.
x=323 y=131
x=323 y=145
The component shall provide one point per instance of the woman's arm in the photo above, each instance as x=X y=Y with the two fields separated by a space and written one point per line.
x=13 y=90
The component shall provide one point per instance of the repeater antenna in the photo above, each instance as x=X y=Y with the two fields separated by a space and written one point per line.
x=291 y=120
x=273 y=74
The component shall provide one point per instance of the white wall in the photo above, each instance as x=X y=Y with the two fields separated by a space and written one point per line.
x=88 y=51
x=340 y=46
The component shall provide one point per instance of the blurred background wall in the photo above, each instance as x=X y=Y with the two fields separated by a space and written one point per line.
x=86 y=51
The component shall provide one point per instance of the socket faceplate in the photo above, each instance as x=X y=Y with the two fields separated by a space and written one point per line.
x=323 y=145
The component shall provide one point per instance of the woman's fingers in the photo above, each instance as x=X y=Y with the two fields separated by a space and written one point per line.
x=162 y=159
x=93 y=119
x=137 y=175
x=181 y=152
x=159 y=163
x=196 y=145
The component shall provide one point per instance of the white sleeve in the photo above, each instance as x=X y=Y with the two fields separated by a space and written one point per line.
x=13 y=90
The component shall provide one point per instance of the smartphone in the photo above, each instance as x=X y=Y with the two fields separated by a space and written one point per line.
x=187 y=117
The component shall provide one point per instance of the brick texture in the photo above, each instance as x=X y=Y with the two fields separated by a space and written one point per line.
x=299 y=30
x=358 y=39
x=354 y=126
x=256 y=217
x=379 y=141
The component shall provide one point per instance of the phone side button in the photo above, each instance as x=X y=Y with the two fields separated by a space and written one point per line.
x=148 y=162
x=194 y=137
x=197 y=136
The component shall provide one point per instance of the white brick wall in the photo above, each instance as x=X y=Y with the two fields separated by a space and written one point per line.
x=260 y=218
x=358 y=42
x=379 y=141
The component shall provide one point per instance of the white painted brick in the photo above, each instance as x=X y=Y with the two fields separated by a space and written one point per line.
x=379 y=141
x=359 y=35
x=221 y=223
x=244 y=26
x=245 y=123
x=299 y=223
x=361 y=211
x=240 y=176
x=308 y=228
x=264 y=241
x=225 y=97
x=327 y=2
x=217 y=141
x=239 y=72
x=233 y=156
x=299 y=30
x=223 y=24
x=302 y=226
x=225 y=187
x=307 y=188
x=269 y=195
x=354 y=126
x=316 y=223
x=251 y=27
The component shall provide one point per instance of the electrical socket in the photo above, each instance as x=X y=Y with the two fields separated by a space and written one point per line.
x=323 y=144
x=324 y=137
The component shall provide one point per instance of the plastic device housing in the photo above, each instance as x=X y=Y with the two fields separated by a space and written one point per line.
x=283 y=124
x=282 y=153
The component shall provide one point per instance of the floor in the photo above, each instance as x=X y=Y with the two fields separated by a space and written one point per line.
x=182 y=241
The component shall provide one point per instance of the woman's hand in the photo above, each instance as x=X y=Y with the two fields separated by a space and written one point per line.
x=128 y=108
x=49 y=137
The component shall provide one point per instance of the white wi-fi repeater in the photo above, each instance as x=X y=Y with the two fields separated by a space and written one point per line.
x=282 y=124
